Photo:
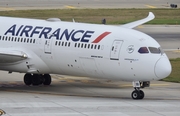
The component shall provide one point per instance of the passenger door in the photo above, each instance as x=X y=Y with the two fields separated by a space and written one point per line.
x=115 y=49
x=47 y=46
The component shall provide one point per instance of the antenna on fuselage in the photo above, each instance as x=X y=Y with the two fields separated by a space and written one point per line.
x=104 y=21
x=53 y=19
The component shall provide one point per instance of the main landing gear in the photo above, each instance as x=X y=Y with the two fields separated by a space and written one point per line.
x=37 y=79
x=137 y=93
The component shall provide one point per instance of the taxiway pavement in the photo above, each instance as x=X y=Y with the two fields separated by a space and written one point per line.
x=84 y=96
x=79 y=4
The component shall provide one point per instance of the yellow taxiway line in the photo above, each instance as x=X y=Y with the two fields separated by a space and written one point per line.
x=140 y=26
x=70 y=7
x=149 y=6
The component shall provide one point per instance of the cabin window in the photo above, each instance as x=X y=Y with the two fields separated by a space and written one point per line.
x=34 y=41
x=56 y=43
x=15 y=39
x=88 y=45
x=92 y=46
x=85 y=45
x=9 y=38
x=28 y=40
x=143 y=50
x=69 y=44
x=98 y=47
x=12 y=38
x=75 y=44
x=65 y=43
x=154 y=50
x=95 y=46
x=81 y=45
x=78 y=45
x=59 y=43
x=6 y=38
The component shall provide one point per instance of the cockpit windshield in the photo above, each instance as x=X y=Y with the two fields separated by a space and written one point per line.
x=153 y=50
x=143 y=50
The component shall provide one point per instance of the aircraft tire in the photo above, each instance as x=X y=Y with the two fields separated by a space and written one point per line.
x=135 y=94
x=28 y=79
x=141 y=94
x=47 y=79
x=36 y=79
x=41 y=77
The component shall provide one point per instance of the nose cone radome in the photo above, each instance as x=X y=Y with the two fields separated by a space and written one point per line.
x=163 y=68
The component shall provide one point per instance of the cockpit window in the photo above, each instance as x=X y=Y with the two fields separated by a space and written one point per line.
x=143 y=50
x=162 y=51
x=154 y=50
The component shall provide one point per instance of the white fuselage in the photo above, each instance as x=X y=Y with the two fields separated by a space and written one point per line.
x=78 y=49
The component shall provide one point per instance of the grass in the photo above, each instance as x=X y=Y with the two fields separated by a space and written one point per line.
x=113 y=16
x=175 y=75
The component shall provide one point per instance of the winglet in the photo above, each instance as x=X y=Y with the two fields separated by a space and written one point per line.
x=139 y=22
x=151 y=15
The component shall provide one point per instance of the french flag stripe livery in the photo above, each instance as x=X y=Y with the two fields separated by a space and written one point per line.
x=100 y=37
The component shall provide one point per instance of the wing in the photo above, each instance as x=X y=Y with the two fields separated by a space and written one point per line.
x=10 y=56
x=139 y=22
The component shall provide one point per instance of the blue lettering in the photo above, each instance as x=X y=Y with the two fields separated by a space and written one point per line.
x=67 y=35
x=55 y=34
x=17 y=33
x=35 y=31
x=45 y=32
x=86 y=35
x=11 y=30
x=76 y=38
x=26 y=30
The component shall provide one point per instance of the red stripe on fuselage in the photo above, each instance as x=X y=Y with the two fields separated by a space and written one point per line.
x=100 y=37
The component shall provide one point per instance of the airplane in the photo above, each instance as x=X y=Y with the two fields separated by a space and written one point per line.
x=39 y=48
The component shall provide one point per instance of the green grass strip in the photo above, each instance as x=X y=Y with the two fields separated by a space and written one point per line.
x=175 y=75
x=112 y=16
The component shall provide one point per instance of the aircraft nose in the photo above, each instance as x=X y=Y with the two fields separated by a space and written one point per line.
x=163 y=68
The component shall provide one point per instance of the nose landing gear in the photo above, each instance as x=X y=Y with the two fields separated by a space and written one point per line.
x=137 y=93
x=37 y=79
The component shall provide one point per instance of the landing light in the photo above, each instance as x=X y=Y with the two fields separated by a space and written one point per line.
x=24 y=56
